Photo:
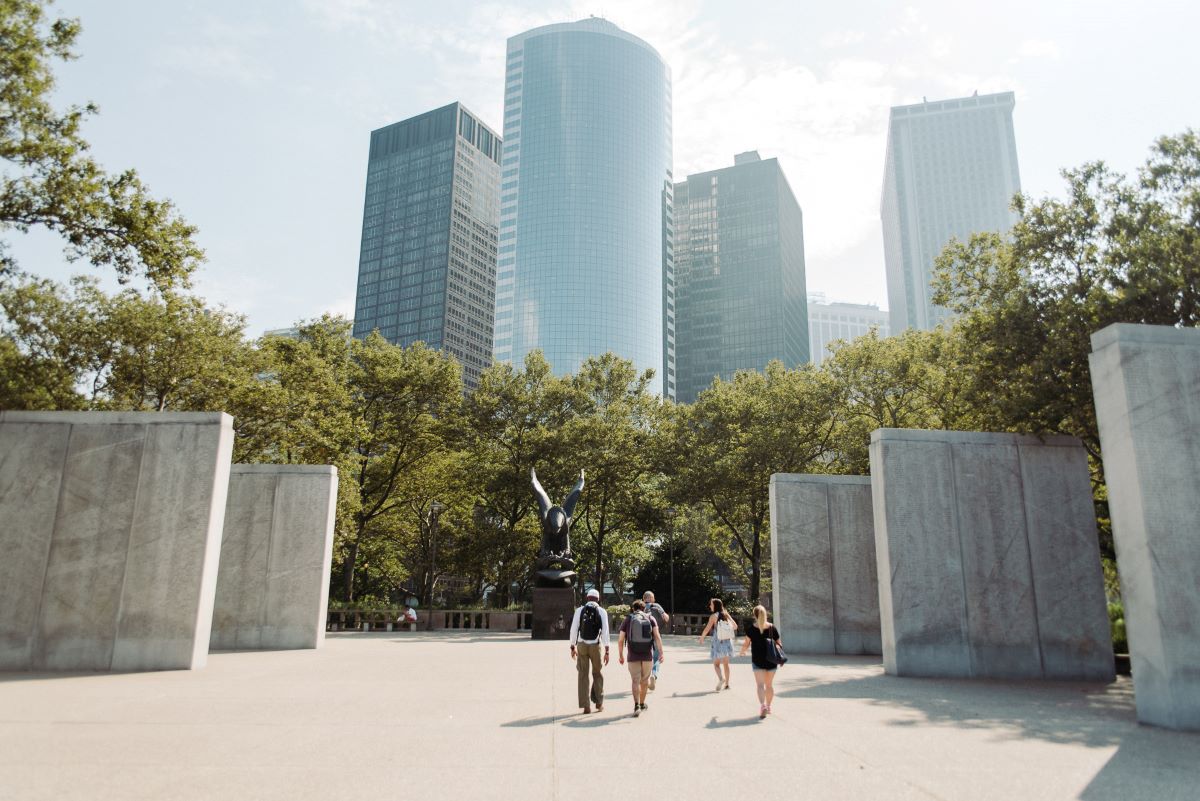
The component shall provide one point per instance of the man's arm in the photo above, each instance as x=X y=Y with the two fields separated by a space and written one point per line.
x=574 y=637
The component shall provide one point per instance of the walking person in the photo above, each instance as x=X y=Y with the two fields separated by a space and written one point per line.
x=641 y=633
x=589 y=633
x=724 y=629
x=759 y=638
x=661 y=617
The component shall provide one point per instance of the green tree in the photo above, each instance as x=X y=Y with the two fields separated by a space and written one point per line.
x=694 y=581
x=50 y=181
x=514 y=421
x=912 y=380
x=723 y=449
x=611 y=437
x=1112 y=250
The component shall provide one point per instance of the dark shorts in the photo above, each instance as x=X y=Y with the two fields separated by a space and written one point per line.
x=768 y=668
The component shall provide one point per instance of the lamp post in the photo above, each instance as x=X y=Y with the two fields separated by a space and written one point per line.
x=435 y=509
x=671 y=533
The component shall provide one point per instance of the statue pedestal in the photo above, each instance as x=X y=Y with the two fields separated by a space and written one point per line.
x=553 y=608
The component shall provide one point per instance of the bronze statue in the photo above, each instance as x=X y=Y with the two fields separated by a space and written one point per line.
x=555 y=561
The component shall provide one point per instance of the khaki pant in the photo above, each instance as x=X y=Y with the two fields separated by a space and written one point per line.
x=590 y=656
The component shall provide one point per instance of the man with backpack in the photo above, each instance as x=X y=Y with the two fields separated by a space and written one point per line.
x=661 y=617
x=640 y=631
x=589 y=631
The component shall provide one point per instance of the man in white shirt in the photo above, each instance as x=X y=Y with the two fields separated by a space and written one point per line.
x=589 y=632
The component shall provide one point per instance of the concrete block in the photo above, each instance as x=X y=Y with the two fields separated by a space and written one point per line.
x=273 y=582
x=113 y=521
x=987 y=556
x=825 y=584
x=1146 y=381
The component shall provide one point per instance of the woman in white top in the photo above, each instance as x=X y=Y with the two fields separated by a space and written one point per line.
x=722 y=643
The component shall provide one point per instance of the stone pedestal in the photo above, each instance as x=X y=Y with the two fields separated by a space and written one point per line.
x=110 y=532
x=824 y=583
x=987 y=557
x=553 y=608
x=1146 y=380
x=273 y=583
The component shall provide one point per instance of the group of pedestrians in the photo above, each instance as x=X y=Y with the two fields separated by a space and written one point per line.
x=640 y=646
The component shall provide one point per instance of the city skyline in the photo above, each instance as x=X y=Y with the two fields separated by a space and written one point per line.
x=218 y=104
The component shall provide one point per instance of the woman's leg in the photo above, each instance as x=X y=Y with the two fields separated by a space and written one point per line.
x=760 y=685
x=769 y=675
x=717 y=666
x=725 y=662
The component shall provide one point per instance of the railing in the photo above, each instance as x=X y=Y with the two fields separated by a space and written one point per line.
x=474 y=619
x=443 y=619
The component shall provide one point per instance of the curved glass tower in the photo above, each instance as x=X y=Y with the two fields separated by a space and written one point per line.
x=584 y=257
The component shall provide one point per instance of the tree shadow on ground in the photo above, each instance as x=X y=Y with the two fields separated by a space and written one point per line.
x=1090 y=714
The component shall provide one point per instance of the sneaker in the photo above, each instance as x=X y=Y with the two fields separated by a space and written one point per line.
x=637 y=710
x=762 y=711
x=599 y=707
x=726 y=685
x=653 y=681
x=768 y=709
x=643 y=707
x=587 y=710
x=720 y=683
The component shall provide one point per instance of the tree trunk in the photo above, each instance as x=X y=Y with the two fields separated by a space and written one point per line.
x=348 y=572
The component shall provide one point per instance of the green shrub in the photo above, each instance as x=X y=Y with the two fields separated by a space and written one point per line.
x=1116 y=620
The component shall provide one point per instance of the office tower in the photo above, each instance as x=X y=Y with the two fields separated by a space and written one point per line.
x=951 y=171
x=739 y=269
x=828 y=322
x=584 y=262
x=427 y=268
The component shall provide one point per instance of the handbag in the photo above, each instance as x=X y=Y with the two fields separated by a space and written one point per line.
x=774 y=653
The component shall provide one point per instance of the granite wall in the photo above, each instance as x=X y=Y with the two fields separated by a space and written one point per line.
x=987 y=556
x=110 y=535
x=1146 y=381
x=273 y=583
x=824 y=581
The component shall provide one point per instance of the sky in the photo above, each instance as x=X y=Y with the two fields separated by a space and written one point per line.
x=254 y=117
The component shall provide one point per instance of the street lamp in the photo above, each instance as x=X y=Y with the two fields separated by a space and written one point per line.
x=435 y=510
x=671 y=533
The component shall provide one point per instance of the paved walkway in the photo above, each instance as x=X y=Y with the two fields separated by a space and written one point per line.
x=472 y=716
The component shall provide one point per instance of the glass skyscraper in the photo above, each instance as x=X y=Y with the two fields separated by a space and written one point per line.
x=951 y=171
x=584 y=264
x=427 y=265
x=740 y=296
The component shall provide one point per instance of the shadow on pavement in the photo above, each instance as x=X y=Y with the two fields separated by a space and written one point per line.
x=726 y=724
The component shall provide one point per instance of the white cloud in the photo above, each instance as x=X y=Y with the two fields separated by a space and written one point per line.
x=1039 y=48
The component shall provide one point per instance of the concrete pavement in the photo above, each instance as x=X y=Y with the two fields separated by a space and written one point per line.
x=480 y=715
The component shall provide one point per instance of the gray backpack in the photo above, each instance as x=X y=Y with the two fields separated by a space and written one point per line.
x=641 y=633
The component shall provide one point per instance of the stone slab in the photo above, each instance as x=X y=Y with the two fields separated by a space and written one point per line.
x=987 y=555
x=1146 y=382
x=825 y=586
x=115 y=531
x=276 y=551
x=553 y=608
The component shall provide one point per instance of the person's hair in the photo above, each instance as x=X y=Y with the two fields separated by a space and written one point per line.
x=638 y=606
x=648 y=596
x=760 y=618
x=718 y=606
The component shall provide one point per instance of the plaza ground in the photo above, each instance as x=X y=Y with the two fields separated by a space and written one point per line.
x=451 y=716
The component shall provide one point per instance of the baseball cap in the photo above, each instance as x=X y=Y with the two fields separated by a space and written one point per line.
x=593 y=593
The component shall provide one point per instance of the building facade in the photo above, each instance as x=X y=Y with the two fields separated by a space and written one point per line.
x=427 y=264
x=740 y=295
x=829 y=322
x=584 y=262
x=951 y=171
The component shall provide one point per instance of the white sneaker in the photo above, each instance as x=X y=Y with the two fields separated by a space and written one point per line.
x=720 y=684
x=653 y=681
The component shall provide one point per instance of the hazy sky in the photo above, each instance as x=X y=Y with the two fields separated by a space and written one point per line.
x=254 y=117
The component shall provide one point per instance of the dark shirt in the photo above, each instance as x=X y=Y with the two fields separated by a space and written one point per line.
x=632 y=657
x=758 y=644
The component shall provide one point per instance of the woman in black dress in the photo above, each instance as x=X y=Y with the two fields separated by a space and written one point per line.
x=764 y=671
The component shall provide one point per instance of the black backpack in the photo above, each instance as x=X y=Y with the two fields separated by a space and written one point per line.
x=658 y=613
x=641 y=633
x=590 y=624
